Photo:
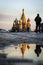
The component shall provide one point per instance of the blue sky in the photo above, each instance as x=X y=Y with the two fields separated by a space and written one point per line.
x=12 y=6
x=10 y=9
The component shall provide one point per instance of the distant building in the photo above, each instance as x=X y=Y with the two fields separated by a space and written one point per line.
x=22 y=25
x=23 y=18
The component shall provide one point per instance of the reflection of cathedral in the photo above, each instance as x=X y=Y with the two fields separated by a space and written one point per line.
x=23 y=48
x=37 y=50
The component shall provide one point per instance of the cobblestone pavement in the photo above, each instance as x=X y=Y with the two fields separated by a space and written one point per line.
x=21 y=37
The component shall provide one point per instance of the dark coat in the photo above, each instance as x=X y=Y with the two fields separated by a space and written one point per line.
x=38 y=20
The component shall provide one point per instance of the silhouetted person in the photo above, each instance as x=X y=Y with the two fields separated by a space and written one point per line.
x=38 y=22
x=38 y=50
x=41 y=27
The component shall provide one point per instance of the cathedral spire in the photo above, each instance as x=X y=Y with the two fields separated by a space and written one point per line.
x=23 y=18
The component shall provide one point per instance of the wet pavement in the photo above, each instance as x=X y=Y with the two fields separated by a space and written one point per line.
x=21 y=37
x=20 y=62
